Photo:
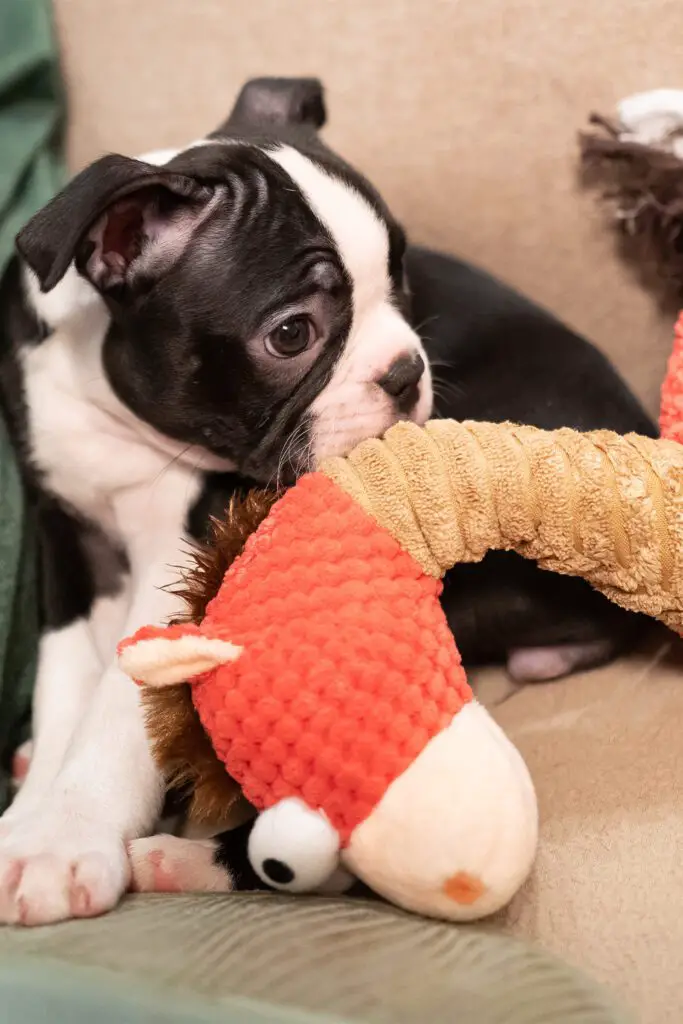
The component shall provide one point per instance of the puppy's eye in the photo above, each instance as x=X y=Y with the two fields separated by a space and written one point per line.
x=292 y=337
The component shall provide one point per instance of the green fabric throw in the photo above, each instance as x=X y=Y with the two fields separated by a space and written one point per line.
x=31 y=107
x=248 y=958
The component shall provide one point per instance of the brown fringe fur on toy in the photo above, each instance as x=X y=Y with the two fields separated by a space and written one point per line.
x=180 y=746
x=643 y=185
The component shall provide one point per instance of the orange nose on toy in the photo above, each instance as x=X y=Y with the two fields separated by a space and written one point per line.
x=441 y=845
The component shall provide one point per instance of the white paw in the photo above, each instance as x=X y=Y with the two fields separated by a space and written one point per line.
x=55 y=866
x=170 y=864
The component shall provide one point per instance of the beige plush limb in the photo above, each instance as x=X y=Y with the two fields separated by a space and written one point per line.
x=598 y=505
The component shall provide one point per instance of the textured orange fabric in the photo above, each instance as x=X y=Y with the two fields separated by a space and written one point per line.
x=671 y=406
x=348 y=668
x=165 y=632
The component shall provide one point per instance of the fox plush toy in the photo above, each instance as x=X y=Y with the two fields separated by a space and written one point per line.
x=326 y=684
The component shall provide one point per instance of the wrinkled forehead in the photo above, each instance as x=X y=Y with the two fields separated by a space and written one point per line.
x=300 y=195
x=360 y=233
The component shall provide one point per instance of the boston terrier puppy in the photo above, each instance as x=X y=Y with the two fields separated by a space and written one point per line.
x=187 y=324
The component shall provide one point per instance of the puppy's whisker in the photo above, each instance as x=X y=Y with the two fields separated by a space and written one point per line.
x=418 y=328
x=303 y=460
x=447 y=387
x=286 y=452
x=171 y=462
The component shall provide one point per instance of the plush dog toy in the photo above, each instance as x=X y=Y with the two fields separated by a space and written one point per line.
x=325 y=678
x=635 y=160
x=330 y=686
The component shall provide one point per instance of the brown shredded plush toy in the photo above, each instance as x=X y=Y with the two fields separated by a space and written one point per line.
x=635 y=159
x=318 y=675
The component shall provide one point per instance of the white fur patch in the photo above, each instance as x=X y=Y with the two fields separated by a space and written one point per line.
x=69 y=669
x=359 y=234
x=62 y=845
x=352 y=406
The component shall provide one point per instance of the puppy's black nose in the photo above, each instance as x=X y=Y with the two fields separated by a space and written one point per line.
x=401 y=381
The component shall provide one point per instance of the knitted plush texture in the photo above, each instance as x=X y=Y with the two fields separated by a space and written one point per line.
x=348 y=665
x=597 y=505
x=179 y=743
x=671 y=407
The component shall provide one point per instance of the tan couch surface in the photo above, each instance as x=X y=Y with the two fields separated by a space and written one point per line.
x=605 y=754
x=465 y=114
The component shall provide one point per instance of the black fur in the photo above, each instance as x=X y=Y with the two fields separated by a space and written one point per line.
x=495 y=354
x=19 y=326
x=180 y=351
x=231 y=854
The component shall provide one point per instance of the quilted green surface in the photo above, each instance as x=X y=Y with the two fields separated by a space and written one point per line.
x=255 y=956
x=31 y=108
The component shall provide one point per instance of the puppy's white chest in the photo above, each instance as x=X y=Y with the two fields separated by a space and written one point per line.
x=82 y=441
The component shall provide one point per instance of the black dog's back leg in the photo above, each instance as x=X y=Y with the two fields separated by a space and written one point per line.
x=542 y=625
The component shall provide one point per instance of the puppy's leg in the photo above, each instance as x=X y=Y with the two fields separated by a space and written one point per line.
x=166 y=863
x=69 y=669
x=66 y=856
x=541 y=664
x=84 y=600
x=543 y=625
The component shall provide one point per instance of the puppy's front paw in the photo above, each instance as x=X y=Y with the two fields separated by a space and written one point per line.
x=170 y=864
x=55 y=866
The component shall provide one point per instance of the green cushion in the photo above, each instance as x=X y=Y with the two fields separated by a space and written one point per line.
x=31 y=109
x=255 y=956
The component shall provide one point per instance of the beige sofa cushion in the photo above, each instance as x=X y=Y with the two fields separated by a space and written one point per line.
x=465 y=114
x=605 y=753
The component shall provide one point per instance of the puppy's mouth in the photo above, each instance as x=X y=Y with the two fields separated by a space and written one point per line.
x=339 y=435
x=298 y=441
x=353 y=412
x=332 y=411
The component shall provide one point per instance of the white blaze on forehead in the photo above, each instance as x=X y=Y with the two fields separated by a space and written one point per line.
x=359 y=233
x=352 y=406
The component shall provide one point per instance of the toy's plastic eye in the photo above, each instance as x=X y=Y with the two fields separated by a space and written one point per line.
x=293 y=848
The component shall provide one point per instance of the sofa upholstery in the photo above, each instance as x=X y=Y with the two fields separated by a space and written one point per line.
x=253 y=958
x=465 y=115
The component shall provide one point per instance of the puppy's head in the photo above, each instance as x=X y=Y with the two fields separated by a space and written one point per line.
x=255 y=286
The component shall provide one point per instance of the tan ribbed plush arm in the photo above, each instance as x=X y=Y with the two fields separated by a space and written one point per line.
x=597 y=505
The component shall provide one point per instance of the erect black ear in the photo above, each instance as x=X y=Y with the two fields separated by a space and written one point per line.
x=268 y=102
x=117 y=218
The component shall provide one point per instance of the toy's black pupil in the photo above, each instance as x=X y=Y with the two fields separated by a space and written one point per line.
x=276 y=871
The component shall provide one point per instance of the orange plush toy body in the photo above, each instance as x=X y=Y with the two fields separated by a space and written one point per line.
x=329 y=683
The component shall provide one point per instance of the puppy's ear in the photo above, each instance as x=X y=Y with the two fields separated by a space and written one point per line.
x=271 y=102
x=117 y=219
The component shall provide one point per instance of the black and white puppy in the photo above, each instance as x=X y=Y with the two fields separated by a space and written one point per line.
x=188 y=321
